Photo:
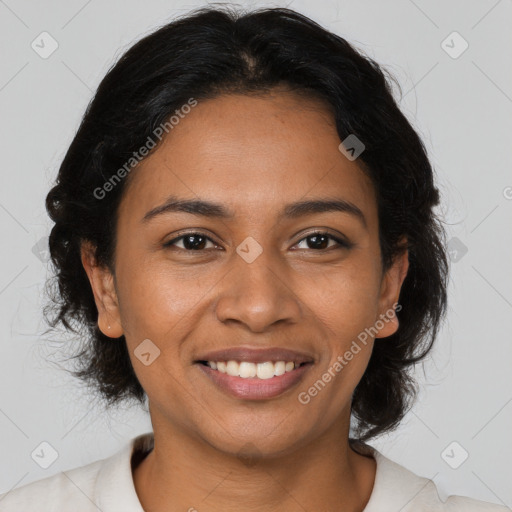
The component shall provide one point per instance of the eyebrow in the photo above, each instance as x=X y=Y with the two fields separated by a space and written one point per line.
x=291 y=211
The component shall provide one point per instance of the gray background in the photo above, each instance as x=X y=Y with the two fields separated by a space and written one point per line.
x=462 y=108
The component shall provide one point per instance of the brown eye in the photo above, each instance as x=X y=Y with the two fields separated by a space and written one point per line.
x=320 y=241
x=191 y=242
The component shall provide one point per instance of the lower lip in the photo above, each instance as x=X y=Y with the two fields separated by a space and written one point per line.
x=253 y=388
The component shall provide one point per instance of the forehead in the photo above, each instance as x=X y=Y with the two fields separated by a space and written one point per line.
x=253 y=153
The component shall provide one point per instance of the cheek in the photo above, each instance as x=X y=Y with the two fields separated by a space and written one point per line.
x=345 y=304
x=345 y=300
x=153 y=299
x=156 y=307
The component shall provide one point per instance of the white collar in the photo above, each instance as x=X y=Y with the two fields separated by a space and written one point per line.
x=394 y=486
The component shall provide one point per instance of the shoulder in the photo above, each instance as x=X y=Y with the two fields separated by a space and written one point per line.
x=105 y=484
x=397 y=488
x=72 y=488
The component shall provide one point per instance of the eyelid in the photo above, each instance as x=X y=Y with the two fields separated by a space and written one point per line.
x=339 y=239
x=180 y=235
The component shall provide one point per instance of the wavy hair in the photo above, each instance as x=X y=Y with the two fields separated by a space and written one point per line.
x=213 y=51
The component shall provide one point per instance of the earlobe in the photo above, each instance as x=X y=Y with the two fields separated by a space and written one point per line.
x=387 y=323
x=105 y=297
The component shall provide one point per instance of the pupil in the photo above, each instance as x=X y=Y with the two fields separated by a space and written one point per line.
x=319 y=241
x=188 y=242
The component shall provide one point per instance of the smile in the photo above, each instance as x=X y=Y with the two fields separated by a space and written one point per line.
x=247 y=369
x=254 y=381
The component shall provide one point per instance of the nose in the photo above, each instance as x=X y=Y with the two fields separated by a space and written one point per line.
x=258 y=294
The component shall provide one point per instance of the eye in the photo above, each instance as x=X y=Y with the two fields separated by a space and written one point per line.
x=198 y=242
x=191 y=242
x=320 y=240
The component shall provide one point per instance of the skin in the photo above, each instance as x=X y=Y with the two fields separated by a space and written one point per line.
x=253 y=154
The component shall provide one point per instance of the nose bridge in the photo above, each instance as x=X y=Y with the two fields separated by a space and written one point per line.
x=255 y=292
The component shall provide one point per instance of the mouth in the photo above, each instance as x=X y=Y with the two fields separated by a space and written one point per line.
x=251 y=370
x=251 y=380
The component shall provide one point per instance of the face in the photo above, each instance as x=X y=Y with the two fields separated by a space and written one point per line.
x=263 y=275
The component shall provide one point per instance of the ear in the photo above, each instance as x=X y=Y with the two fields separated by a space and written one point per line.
x=387 y=323
x=102 y=284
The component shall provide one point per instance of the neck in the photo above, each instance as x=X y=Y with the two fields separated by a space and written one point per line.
x=185 y=473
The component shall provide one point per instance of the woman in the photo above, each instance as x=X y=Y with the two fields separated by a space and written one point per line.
x=244 y=223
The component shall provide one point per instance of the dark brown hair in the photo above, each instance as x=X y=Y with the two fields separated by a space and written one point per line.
x=213 y=51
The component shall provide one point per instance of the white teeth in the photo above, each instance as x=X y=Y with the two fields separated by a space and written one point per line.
x=232 y=368
x=247 y=370
x=279 y=368
x=265 y=370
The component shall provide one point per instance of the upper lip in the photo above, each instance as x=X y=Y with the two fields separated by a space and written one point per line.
x=255 y=355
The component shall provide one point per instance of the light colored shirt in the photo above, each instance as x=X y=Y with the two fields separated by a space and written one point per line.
x=106 y=485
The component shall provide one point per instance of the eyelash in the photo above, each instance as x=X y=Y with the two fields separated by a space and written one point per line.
x=339 y=241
